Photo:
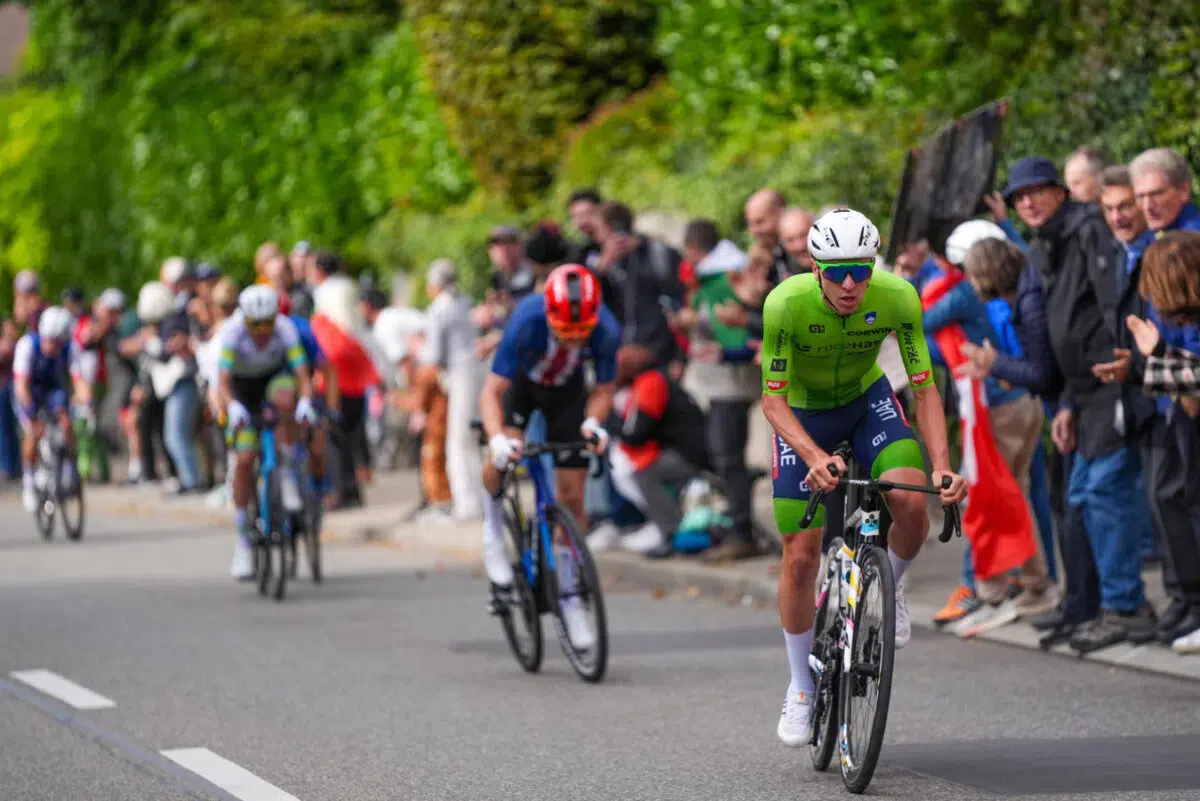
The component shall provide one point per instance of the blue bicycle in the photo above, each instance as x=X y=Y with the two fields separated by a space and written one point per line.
x=276 y=530
x=538 y=567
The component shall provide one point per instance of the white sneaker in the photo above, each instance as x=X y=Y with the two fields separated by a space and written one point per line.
x=243 y=561
x=986 y=618
x=903 y=624
x=603 y=538
x=289 y=488
x=579 y=631
x=1187 y=644
x=643 y=540
x=795 y=722
x=29 y=498
x=495 y=562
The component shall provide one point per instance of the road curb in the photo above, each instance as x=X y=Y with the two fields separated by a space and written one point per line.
x=695 y=579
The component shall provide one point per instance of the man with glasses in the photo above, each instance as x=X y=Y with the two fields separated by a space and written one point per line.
x=539 y=366
x=261 y=362
x=1073 y=250
x=822 y=386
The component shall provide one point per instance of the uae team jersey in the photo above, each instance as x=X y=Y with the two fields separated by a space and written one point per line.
x=821 y=360
x=243 y=359
x=528 y=349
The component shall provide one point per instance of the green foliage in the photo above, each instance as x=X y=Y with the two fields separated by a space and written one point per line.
x=770 y=59
x=635 y=151
x=236 y=127
x=1129 y=82
x=513 y=77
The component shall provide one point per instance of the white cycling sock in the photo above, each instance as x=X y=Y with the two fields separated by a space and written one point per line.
x=493 y=518
x=899 y=566
x=798 y=648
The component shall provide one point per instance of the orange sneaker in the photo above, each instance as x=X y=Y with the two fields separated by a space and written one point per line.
x=962 y=602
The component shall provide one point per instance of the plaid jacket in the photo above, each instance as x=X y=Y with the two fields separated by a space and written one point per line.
x=1176 y=372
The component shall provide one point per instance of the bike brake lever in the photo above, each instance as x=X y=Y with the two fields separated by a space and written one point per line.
x=951 y=524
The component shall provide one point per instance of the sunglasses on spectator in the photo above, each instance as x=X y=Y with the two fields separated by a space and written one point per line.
x=858 y=270
x=261 y=325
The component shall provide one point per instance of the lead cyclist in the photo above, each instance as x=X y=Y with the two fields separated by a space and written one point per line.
x=822 y=386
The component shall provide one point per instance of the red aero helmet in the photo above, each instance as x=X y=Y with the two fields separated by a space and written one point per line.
x=572 y=301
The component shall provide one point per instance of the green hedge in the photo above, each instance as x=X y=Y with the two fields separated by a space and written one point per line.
x=513 y=77
x=638 y=152
x=239 y=123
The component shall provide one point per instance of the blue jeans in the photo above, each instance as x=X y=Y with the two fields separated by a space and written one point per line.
x=1039 y=498
x=179 y=418
x=1105 y=492
x=10 y=452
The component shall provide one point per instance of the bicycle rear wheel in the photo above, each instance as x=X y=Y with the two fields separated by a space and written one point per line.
x=866 y=689
x=583 y=588
x=70 y=504
x=516 y=605
x=827 y=633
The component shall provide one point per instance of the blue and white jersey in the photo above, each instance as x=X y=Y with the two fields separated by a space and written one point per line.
x=529 y=349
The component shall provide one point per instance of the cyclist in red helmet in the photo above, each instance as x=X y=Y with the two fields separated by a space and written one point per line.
x=538 y=365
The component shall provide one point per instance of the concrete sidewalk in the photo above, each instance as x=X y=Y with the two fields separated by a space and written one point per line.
x=929 y=583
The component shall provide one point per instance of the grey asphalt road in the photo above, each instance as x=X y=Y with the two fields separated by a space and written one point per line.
x=390 y=682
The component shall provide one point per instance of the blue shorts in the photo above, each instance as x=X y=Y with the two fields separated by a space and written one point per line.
x=873 y=424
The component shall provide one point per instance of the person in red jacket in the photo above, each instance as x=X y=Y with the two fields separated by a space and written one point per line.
x=662 y=445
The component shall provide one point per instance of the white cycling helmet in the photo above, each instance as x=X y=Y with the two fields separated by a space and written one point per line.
x=259 y=303
x=112 y=298
x=55 y=323
x=155 y=302
x=964 y=236
x=843 y=235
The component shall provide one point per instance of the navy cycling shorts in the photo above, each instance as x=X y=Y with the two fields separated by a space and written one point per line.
x=873 y=424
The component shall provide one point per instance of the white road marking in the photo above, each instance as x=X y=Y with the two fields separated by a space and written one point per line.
x=63 y=689
x=229 y=776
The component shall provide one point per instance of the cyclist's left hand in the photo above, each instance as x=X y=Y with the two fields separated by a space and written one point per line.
x=958 y=486
x=305 y=413
x=592 y=430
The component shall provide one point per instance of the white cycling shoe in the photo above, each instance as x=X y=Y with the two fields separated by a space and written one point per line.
x=795 y=722
x=495 y=562
x=242 y=568
x=579 y=630
x=29 y=498
x=903 y=624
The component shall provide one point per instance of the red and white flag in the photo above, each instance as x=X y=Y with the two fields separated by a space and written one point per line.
x=996 y=518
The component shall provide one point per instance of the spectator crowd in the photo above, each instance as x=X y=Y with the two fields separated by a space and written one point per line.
x=1084 y=331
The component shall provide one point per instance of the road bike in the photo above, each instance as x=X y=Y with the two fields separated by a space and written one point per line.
x=276 y=530
x=536 y=589
x=57 y=484
x=854 y=641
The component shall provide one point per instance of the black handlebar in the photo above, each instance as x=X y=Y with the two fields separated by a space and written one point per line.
x=952 y=522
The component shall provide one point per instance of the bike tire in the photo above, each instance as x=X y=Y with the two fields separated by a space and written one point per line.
x=73 y=529
x=589 y=592
x=44 y=514
x=827 y=632
x=312 y=544
x=262 y=564
x=276 y=539
x=522 y=603
x=858 y=764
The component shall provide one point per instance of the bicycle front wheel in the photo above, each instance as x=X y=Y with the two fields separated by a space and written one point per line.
x=827 y=652
x=516 y=605
x=574 y=586
x=866 y=688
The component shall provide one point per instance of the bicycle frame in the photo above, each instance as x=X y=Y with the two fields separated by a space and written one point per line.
x=543 y=493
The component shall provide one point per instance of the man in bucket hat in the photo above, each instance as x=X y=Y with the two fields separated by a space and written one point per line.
x=1072 y=249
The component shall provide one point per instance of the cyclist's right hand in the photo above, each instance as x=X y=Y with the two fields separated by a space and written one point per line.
x=237 y=414
x=504 y=450
x=819 y=477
